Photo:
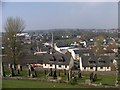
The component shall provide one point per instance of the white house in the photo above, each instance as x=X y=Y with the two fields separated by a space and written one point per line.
x=95 y=63
x=58 y=61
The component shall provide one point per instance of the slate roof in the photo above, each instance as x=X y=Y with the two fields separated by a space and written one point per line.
x=28 y=59
x=44 y=48
x=81 y=52
x=62 y=44
x=99 y=61
x=40 y=58
x=57 y=59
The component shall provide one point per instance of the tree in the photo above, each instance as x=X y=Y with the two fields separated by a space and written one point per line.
x=50 y=72
x=13 y=47
x=95 y=77
x=68 y=76
x=54 y=75
x=91 y=77
x=64 y=71
x=79 y=74
x=35 y=72
x=45 y=72
x=118 y=73
x=98 y=45
x=3 y=71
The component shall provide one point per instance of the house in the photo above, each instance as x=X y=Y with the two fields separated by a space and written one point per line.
x=77 y=53
x=58 y=61
x=113 y=47
x=24 y=37
x=109 y=52
x=84 y=43
x=41 y=48
x=95 y=63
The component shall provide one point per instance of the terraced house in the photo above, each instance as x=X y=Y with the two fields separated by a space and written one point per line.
x=96 y=63
x=58 y=61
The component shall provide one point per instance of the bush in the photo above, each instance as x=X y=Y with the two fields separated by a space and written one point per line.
x=91 y=77
x=95 y=78
x=79 y=74
x=73 y=81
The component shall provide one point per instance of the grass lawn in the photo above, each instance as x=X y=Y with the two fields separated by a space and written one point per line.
x=105 y=79
x=35 y=84
x=40 y=74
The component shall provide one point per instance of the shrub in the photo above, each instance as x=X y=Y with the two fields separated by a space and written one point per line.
x=73 y=80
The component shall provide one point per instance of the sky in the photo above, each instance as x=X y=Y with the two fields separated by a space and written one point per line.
x=55 y=15
x=119 y=15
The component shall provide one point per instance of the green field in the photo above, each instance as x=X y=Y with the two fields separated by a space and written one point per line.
x=104 y=79
x=35 y=84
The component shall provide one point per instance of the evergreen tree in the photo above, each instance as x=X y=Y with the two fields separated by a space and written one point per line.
x=95 y=77
x=91 y=77
x=55 y=75
x=79 y=74
x=64 y=71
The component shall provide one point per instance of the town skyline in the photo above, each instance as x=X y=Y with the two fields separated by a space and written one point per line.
x=63 y=15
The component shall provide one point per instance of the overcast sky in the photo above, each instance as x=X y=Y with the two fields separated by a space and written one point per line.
x=55 y=15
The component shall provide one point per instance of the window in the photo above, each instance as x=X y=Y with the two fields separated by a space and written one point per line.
x=101 y=62
x=60 y=60
x=92 y=62
x=51 y=65
x=54 y=58
x=101 y=67
x=91 y=67
x=63 y=59
x=51 y=59
x=86 y=54
x=59 y=65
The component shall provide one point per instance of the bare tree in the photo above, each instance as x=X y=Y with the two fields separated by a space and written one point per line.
x=11 y=41
x=98 y=45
